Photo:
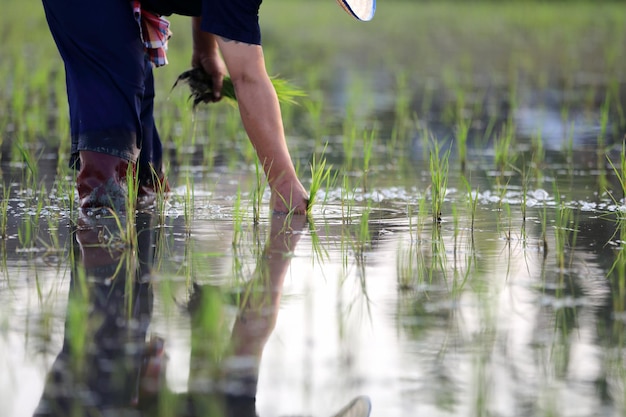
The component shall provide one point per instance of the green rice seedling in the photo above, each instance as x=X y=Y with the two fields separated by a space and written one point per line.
x=19 y=95
x=31 y=174
x=452 y=108
x=349 y=147
x=322 y=178
x=503 y=148
x=189 y=201
x=201 y=87
x=490 y=127
x=565 y=121
x=4 y=211
x=62 y=151
x=210 y=148
x=618 y=110
x=181 y=131
x=538 y=153
x=402 y=114
x=27 y=231
x=368 y=148
x=41 y=200
x=543 y=219
x=132 y=187
x=160 y=198
x=425 y=135
x=568 y=147
x=462 y=132
x=233 y=129
x=439 y=168
x=52 y=220
x=257 y=194
x=65 y=189
x=601 y=143
x=314 y=109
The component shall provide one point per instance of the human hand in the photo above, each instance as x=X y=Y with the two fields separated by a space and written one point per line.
x=206 y=55
x=289 y=196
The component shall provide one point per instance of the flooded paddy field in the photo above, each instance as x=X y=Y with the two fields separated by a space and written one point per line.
x=463 y=256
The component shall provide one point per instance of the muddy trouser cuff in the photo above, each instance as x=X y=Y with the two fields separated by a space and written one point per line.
x=116 y=142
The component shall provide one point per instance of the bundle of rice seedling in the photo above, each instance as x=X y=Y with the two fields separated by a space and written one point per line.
x=201 y=87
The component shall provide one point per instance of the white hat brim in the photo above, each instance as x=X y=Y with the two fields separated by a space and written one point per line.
x=359 y=9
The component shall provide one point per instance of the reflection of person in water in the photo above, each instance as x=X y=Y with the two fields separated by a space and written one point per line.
x=109 y=309
x=109 y=370
x=235 y=377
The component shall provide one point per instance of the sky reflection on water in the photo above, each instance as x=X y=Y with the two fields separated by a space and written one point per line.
x=424 y=319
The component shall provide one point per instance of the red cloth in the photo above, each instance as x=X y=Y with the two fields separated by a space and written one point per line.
x=155 y=32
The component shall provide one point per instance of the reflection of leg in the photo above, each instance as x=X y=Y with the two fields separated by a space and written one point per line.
x=107 y=319
x=359 y=407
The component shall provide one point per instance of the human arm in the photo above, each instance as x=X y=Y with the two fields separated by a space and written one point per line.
x=261 y=116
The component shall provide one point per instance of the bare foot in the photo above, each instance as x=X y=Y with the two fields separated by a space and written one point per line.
x=289 y=197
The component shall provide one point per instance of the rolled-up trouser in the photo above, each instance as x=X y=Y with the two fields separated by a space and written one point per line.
x=233 y=19
x=110 y=86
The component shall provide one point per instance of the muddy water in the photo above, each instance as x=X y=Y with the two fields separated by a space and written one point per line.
x=513 y=308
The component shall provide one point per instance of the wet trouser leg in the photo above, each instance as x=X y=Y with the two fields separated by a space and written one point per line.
x=106 y=74
x=151 y=155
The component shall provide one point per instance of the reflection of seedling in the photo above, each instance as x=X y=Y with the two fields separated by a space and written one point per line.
x=620 y=172
x=237 y=220
x=347 y=198
x=472 y=199
x=566 y=230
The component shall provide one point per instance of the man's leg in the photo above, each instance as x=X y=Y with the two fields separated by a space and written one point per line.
x=150 y=175
x=105 y=68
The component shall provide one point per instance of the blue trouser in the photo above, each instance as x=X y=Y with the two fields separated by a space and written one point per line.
x=233 y=19
x=110 y=86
